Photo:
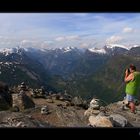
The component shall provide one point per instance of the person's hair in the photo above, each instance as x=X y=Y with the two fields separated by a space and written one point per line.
x=132 y=67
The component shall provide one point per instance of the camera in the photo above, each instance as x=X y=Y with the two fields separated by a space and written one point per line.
x=128 y=70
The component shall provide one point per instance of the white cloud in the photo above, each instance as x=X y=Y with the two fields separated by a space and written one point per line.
x=84 y=45
x=25 y=42
x=30 y=43
x=128 y=30
x=73 y=37
x=60 y=38
x=114 y=39
x=66 y=38
x=46 y=44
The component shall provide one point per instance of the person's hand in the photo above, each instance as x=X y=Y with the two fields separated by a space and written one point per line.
x=126 y=72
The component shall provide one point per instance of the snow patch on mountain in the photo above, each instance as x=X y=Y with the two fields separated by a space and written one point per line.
x=8 y=51
x=111 y=46
x=98 y=50
x=67 y=49
x=134 y=46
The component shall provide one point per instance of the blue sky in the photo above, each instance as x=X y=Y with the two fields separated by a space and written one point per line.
x=83 y=30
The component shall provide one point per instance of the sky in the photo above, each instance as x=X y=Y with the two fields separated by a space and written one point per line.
x=82 y=30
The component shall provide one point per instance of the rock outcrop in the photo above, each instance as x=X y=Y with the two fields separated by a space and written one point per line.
x=124 y=117
x=20 y=120
x=60 y=110
x=119 y=120
x=22 y=101
x=78 y=101
x=112 y=115
x=70 y=117
x=5 y=97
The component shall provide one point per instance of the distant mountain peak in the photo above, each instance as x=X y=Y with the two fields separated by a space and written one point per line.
x=7 y=51
x=110 y=49
x=67 y=49
x=111 y=46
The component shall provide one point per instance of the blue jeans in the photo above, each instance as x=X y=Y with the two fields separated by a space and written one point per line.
x=129 y=98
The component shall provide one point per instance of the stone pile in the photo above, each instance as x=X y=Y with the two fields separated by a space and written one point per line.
x=21 y=101
x=94 y=108
x=98 y=116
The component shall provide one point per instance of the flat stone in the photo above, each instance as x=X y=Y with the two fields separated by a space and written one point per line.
x=49 y=100
x=119 y=120
x=100 y=121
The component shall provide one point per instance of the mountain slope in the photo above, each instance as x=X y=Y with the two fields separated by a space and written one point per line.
x=87 y=73
x=107 y=82
x=16 y=67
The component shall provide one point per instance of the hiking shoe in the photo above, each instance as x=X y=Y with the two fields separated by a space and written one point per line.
x=134 y=112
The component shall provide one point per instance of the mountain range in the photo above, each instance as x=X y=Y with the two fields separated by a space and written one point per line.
x=86 y=72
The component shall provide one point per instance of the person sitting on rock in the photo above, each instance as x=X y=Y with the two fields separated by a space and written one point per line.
x=132 y=79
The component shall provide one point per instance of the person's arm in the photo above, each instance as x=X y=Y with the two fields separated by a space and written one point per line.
x=128 y=77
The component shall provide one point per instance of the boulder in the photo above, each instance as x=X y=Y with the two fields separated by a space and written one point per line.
x=67 y=97
x=119 y=120
x=100 y=121
x=77 y=101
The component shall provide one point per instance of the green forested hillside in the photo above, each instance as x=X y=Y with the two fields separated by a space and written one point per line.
x=107 y=83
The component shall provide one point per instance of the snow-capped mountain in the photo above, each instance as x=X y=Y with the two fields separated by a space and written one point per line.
x=16 y=66
x=19 y=50
x=113 y=46
x=125 y=47
x=67 y=49
x=59 y=67
x=8 y=51
x=112 y=49
x=97 y=50
x=107 y=49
